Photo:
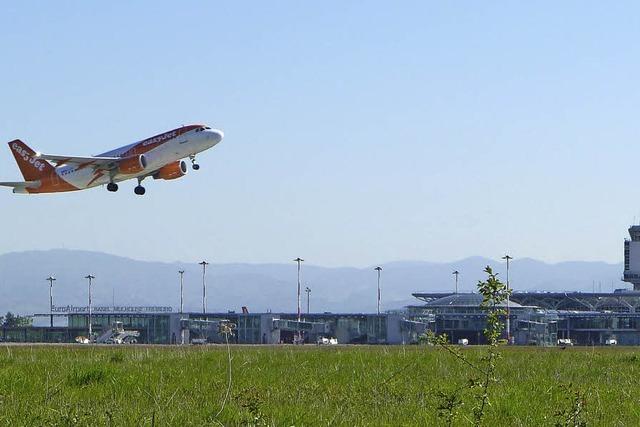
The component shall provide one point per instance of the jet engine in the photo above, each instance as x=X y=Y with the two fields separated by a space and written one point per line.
x=132 y=165
x=172 y=170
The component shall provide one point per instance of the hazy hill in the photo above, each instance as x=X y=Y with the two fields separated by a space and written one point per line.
x=261 y=287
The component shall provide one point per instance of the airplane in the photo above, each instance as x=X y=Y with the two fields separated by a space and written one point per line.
x=159 y=157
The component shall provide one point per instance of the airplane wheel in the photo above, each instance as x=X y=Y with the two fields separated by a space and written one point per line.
x=139 y=190
x=196 y=166
x=112 y=186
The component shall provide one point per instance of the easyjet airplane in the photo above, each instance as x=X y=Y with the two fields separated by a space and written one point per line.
x=159 y=157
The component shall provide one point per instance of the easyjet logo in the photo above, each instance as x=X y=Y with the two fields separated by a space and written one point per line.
x=160 y=138
x=38 y=164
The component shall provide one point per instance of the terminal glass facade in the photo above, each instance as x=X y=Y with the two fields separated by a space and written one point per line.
x=248 y=330
x=153 y=328
x=254 y=328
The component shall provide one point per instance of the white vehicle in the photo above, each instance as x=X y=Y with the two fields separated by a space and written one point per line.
x=327 y=341
x=199 y=341
x=463 y=341
x=565 y=342
x=82 y=340
x=611 y=341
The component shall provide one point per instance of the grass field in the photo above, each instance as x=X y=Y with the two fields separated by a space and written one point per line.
x=355 y=385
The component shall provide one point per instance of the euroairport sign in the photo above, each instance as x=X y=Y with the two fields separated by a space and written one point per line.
x=112 y=309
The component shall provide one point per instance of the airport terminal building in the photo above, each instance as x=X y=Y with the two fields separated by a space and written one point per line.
x=461 y=317
x=249 y=328
x=535 y=318
x=541 y=318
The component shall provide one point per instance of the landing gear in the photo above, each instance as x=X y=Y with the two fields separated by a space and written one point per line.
x=139 y=190
x=194 y=165
x=112 y=186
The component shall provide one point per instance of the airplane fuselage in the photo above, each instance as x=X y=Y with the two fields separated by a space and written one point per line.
x=159 y=157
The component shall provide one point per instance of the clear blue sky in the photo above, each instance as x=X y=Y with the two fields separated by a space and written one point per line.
x=356 y=132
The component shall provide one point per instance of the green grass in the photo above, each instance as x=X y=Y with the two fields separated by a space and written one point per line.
x=356 y=385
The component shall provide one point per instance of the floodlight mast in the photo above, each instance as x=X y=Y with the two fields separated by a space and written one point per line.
x=90 y=277
x=204 y=286
x=51 y=279
x=378 y=269
x=299 y=261
x=508 y=258
x=456 y=273
x=181 y=272
x=308 y=291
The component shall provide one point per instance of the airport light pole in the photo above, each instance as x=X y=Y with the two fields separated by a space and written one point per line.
x=299 y=261
x=456 y=273
x=508 y=258
x=90 y=277
x=51 y=279
x=181 y=272
x=308 y=291
x=378 y=269
x=204 y=286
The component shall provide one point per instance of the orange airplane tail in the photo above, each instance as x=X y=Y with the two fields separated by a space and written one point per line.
x=31 y=167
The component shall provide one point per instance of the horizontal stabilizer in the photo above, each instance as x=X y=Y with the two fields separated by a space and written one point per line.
x=21 y=187
x=23 y=184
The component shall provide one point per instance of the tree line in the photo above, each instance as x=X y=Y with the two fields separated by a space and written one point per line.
x=11 y=320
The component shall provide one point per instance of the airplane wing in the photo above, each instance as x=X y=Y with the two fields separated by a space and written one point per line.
x=82 y=162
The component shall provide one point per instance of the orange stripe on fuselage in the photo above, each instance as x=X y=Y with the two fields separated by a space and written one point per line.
x=61 y=162
x=52 y=183
x=97 y=174
x=157 y=140
x=84 y=165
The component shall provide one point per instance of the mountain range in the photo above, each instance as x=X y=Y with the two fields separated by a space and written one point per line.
x=263 y=287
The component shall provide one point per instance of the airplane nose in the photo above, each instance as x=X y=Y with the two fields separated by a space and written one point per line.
x=217 y=135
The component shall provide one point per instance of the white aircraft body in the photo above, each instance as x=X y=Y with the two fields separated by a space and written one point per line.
x=159 y=157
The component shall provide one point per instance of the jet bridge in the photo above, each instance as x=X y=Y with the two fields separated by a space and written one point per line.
x=203 y=330
x=118 y=335
x=303 y=326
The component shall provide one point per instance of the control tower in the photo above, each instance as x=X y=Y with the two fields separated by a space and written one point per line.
x=632 y=257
